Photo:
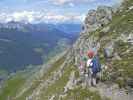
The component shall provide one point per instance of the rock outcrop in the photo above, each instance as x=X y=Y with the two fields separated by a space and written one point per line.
x=95 y=20
x=98 y=18
x=103 y=29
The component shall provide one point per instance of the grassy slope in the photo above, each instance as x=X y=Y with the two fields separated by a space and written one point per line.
x=11 y=86
x=35 y=83
x=122 y=23
x=14 y=85
x=58 y=87
x=82 y=94
x=125 y=25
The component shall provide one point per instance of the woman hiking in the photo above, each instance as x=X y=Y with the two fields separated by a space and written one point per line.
x=94 y=67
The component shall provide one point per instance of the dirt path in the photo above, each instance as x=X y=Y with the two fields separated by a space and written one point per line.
x=112 y=92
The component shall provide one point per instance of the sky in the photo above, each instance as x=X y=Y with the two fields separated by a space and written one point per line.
x=49 y=10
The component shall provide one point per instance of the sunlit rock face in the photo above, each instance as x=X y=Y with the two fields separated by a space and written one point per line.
x=94 y=20
x=98 y=18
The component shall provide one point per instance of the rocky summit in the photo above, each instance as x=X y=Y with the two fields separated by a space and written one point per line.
x=60 y=79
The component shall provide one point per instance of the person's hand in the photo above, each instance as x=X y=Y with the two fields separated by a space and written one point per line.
x=91 y=72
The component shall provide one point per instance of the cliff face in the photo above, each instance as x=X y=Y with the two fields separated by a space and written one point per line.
x=60 y=79
x=106 y=28
x=95 y=20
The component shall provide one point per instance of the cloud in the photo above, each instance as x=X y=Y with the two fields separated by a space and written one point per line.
x=73 y=3
x=34 y=11
x=27 y=16
x=69 y=2
x=61 y=2
x=37 y=17
x=63 y=18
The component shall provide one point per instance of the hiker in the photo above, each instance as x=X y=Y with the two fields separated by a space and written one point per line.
x=95 y=48
x=108 y=54
x=94 y=68
x=89 y=67
x=82 y=67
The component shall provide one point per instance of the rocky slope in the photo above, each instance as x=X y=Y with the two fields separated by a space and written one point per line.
x=106 y=28
x=60 y=78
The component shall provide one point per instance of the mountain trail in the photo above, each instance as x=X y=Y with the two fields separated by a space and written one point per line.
x=112 y=92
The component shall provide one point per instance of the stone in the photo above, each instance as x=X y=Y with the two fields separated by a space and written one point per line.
x=117 y=57
x=71 y=83
x=97 y=18
x=52 y=98
x=130 y=82
x=130 y=8
x=108 y=50
x=106 y=29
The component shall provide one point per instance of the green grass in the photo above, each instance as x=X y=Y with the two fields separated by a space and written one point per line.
x=76 y=94
x=123 y=67
x=36 y=82
x=82 y=94
x=29 y=91
x=3 y=74
x=57 y=87
x=11 y=86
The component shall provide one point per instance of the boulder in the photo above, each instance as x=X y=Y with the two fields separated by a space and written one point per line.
x=109 y=50
x=98 y=18
x=105 y=29
x=130 y=8
x=130 y=82
x=71 y=83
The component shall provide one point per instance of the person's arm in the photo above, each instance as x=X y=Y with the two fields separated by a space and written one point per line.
x=91 y=64
x=90 y=68
x=88 y=63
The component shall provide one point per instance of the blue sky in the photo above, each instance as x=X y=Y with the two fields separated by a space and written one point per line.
x=56 y=10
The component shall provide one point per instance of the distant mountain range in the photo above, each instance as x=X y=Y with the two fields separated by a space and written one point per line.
x=23 y=44
x=72 y=29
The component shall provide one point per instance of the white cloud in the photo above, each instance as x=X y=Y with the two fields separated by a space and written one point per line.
x=57 y=18
x=36 y=17
x=18 y=16
x=71 y=2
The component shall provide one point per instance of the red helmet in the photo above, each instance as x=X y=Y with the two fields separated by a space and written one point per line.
x=90 y=54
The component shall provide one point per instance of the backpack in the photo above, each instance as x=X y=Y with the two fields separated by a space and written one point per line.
x=96 y=66
x=108 y=52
